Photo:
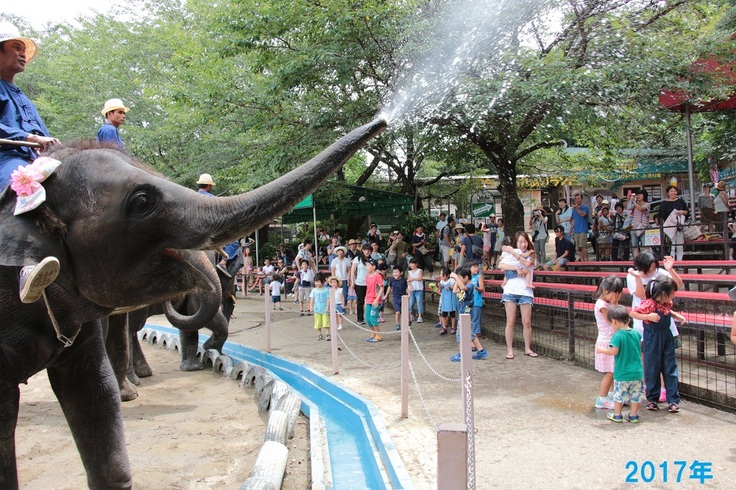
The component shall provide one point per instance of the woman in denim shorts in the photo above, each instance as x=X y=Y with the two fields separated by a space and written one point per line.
x=517 y=293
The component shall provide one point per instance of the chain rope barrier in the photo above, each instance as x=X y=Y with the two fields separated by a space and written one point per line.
x=421 y=397
x=421 y=354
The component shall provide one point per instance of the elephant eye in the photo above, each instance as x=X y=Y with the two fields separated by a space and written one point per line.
x=142 y=202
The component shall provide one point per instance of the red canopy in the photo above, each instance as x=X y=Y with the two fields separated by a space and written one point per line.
x=723 y=74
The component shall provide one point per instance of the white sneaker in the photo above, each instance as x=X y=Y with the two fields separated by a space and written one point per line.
x=35 y=278
x=606 y=403
x=420 y=320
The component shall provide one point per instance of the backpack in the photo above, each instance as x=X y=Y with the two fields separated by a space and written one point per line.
x=477 y=250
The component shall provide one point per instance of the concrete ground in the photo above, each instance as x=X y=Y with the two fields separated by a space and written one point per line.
x=535 y=420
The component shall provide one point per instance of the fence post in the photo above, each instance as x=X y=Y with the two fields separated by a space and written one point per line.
x=333 y=331
x=404 y=356
x=452 y=457
x=466 y=378
x=267 y=302
x=570 y=325
x=726 y=254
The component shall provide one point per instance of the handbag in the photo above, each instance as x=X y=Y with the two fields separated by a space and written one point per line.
x=423 y=250
x=691 y=231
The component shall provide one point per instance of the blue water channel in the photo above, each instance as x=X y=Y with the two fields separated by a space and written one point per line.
x=357 y=446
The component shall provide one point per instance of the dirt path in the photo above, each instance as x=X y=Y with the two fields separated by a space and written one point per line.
x=184 y=431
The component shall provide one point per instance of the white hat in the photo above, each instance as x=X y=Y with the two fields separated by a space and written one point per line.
x=113 y=105
x=9 y=32
x=206 y=179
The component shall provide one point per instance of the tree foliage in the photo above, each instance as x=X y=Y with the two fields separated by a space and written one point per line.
x=246 y=90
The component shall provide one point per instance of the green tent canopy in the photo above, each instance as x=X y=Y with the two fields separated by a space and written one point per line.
x=361 y=201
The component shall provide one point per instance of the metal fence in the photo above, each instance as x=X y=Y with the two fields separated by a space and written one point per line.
x=563 y=327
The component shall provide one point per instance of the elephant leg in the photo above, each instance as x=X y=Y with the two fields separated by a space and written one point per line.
x=219 y=327
x=116 y=345
x=9 y=399
x=139 y=367
x=189 y=344
x=85 y=385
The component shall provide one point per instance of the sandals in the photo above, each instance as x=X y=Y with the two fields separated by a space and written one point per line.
x=510 y=356
x=453 y=331
x=531 y=354
x=443 y=331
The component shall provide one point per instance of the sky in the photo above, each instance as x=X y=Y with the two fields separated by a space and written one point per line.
x=41 y=12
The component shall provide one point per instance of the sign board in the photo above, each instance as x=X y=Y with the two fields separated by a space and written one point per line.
x=307 y=202
x=483 y=209
x=651 y=237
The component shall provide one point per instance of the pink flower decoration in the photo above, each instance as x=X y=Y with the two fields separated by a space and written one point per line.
x=25 y=180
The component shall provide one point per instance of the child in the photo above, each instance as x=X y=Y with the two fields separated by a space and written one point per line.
x=318 y=297
x=276 y=286
x=336 y=285
x=627 y=370
x=382 y=268
x=608 y=293
x=465 y=292
x=475 y=312
x=352 y=301
x=304 y=279
x=397 y=287
x=510 y=259
x=659 y=344
x=416 y=289
x=448 y=301
x=373 y=297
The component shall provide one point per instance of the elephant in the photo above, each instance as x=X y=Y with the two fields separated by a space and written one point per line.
x=124 y=237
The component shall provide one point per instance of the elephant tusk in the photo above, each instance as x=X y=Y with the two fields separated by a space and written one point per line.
x=222 y=253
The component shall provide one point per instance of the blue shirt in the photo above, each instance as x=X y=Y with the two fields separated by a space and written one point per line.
x=398 y=286
x=320 y=297
x=466 y=298
x=580 y=223
x=478 y=296
x=18 y=118
x=109 y=134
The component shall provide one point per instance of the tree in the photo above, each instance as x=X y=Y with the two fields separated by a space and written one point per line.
x=523 y=85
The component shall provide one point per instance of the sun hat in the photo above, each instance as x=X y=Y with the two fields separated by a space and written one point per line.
x=352 y=242
x=721 y=186
x=333 y=278
x=337 y=249
x=9 y=32
x=707 y=184
x=605 y=203
x=459 y=226
x=113 y=105
x=205 y=179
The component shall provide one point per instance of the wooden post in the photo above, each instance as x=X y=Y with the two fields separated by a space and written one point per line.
x=267 y=302
x=466 y=378
x=333 y=332
x=452 y=456
x=404 y=356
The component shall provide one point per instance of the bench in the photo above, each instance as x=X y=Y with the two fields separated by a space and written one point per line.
x=697 y=282
x=724 y=266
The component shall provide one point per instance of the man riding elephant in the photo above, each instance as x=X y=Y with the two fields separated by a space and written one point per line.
x=20 y=121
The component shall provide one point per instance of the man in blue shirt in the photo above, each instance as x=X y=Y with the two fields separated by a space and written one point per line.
x=580 y=214
x=20 y=121
x=114 y=112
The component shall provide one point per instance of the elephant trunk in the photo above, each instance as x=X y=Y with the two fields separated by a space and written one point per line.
x=229 y=218
x=208 y=293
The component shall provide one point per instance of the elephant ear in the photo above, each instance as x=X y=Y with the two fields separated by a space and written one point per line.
x=28 y=238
